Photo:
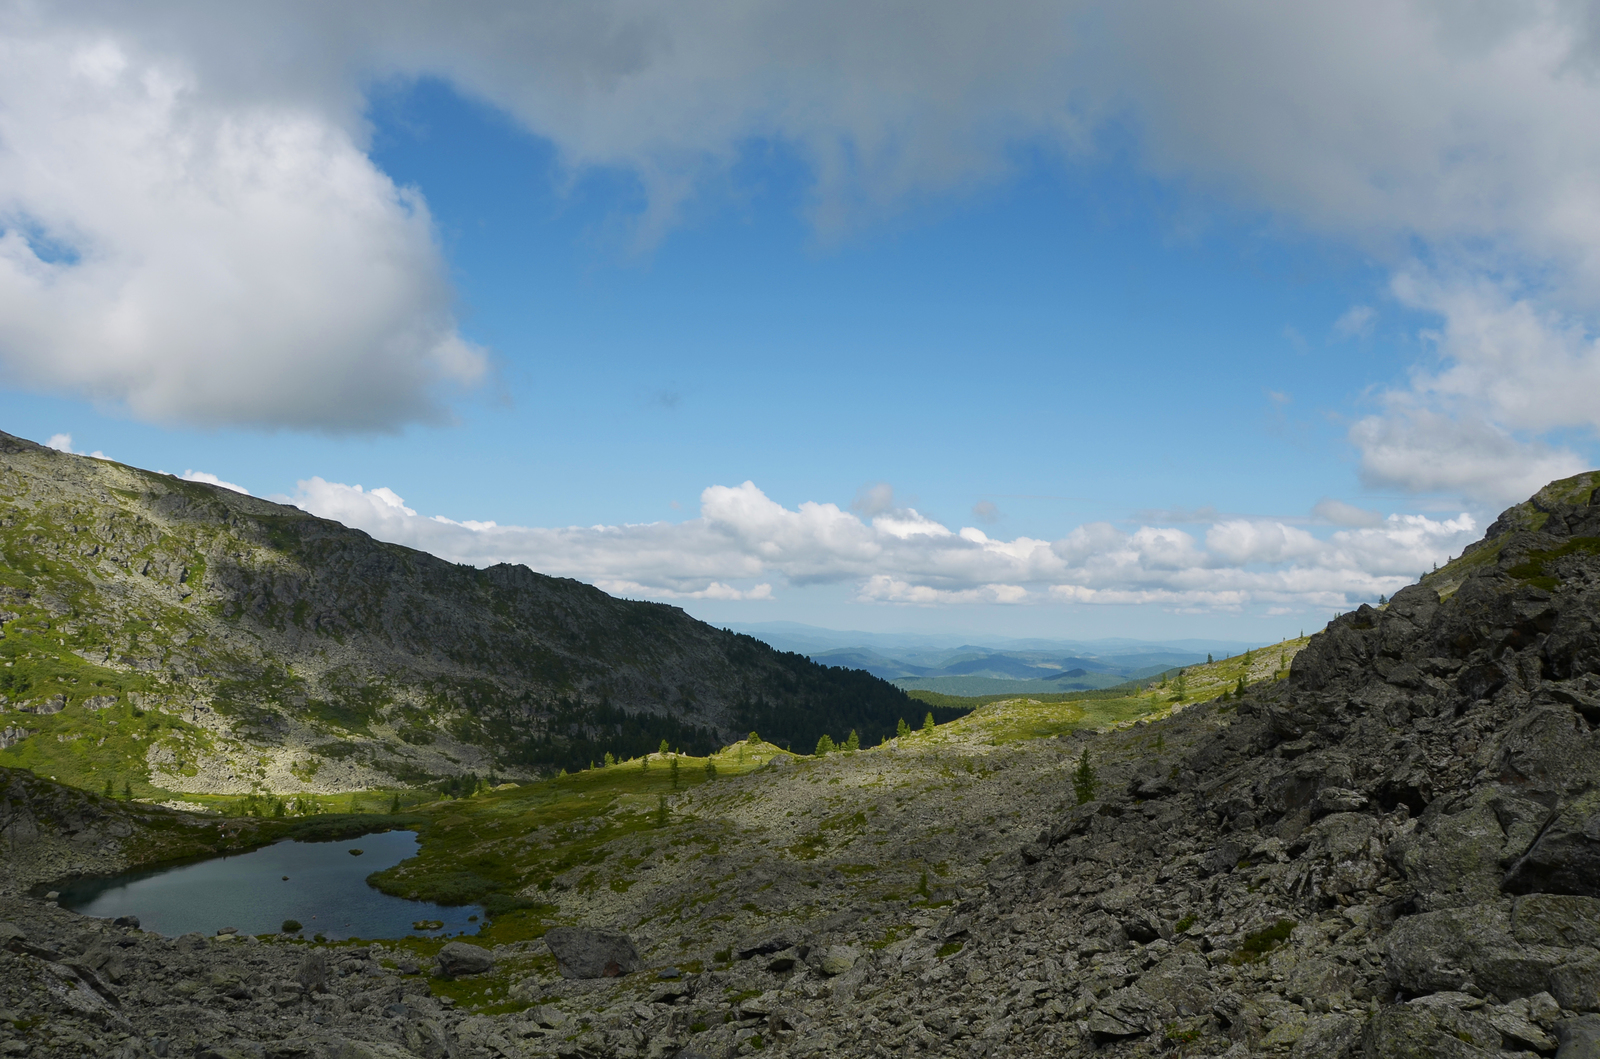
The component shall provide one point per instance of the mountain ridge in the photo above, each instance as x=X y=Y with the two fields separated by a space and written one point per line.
x=222 y=642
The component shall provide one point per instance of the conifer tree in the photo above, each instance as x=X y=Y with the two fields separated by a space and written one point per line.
x=854 y=742
x=927 y=723
x=1084 y=780
x=711 y=769
x=674 y=769
x=824 y=745
x=902 y=729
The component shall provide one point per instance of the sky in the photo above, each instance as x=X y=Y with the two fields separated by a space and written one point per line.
x=1024 y=319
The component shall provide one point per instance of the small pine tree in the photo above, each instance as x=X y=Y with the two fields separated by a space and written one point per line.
x=927 y=723
x=662 y=749
x=281 y=810
x=1238 y=689
x=824 y=745
x=110 y=789
x=661 y=811
x=394 y=804
x=1084 y=780
x=711 y=769
x=1209 y=659
x=644 y=762
x=127 y=791
x=854 y=742
x=1382 y=599
x=753 y=739
x=1181 y=692
x=610 y=759
x=673 y=768
x=902 y=729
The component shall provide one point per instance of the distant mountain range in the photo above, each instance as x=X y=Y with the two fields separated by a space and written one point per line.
x=997 y=666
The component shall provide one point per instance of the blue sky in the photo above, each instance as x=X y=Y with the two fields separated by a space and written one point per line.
x=1179 y=361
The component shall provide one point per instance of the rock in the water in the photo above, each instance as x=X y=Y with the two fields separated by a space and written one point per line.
x=584 y=953
x=459 y=958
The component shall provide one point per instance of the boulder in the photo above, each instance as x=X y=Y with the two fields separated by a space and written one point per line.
x=1328 y=1037
x=1123 y=1013
x=459 y=958
x=584 y=953
x=1566 y=857
x=1556 y=919
x=1411 y=1031
x=312 y=974
x=1577 y=985
x=1453 y=949
x=1579 y=1037
x=764 y=945
x=837 y=960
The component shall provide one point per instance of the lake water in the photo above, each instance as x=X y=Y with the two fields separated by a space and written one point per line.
x=326 y=891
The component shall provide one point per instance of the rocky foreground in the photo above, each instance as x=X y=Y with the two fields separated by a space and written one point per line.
x=1395 y=852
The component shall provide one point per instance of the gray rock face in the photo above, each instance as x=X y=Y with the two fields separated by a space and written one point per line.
x=584 y=953
x=459 y=958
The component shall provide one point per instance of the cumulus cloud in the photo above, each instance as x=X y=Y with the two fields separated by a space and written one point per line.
x=63 y=443
x=207 y=261
x=1426 y=451
x=1342 y=514
x=211 y=479
x=1506 y=372
x=743 y=540
x=192 y=227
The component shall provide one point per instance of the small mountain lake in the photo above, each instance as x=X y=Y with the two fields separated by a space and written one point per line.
x=326 y=891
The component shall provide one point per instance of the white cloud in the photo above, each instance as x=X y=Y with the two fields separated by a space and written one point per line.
x=1342 y=514
x=1423 y=451
x=211 y=479
x=1355 y=322
x=203 y=260
x=742 y=540
x=193 y=228
x=63 y=443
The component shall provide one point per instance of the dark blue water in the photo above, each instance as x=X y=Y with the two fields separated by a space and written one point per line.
x=326 y=891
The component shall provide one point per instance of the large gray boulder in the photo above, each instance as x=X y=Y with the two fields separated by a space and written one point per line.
x=1566 y=857
x=459 y=958
x=1458 y=948
x=1579 y=1037
x=584 y=953
x=1556 y=919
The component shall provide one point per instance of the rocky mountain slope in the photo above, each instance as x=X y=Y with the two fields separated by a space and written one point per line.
x=178 y=636
x=1390 y=853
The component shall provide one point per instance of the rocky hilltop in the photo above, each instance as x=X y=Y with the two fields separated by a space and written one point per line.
x=1390 y=853
x=177 y=636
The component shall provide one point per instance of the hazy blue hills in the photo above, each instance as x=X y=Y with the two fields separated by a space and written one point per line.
x=953 y=665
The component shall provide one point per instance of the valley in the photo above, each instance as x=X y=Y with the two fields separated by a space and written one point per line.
x=1377 y=841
